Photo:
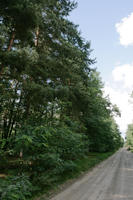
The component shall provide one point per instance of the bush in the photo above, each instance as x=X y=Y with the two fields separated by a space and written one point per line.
x=15 y=188
x=49 y=147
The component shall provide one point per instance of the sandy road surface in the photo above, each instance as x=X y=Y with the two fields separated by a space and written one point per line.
x=111 y=180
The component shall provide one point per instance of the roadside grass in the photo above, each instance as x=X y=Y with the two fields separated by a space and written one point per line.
x=82 y=165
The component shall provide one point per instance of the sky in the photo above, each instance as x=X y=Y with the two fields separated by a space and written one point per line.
x=108 y=25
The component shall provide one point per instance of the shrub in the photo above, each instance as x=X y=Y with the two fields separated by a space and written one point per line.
x=50 y=147
x=15 y=188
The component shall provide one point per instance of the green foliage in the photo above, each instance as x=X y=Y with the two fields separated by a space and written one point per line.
x=49 y=146
x=48 y=181
x=16 y=187
x=52 y=107
x=129 y=136
x=107 y=135
x=46 y=77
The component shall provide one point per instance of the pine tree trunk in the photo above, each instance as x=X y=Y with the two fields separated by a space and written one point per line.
x=11 y=41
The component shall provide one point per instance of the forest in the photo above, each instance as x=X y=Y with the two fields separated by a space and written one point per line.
x=52 y=105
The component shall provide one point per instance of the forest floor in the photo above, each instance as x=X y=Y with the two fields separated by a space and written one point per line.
x=110 y=180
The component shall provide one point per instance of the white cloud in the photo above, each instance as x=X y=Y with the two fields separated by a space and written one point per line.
x=124 y=74
x=125 y=29
x=119 y=91
x=121 y=99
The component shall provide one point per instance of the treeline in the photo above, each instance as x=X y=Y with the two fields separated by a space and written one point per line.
x=129 y=136
x=52 y=109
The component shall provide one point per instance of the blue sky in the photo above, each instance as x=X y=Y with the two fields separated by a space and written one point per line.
x=112 y=46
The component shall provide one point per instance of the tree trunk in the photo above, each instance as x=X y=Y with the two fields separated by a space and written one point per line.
x=11 y=41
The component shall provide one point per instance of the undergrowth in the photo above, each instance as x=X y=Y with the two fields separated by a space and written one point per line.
x=79 y=167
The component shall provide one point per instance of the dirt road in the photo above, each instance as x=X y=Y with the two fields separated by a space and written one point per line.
x=111 y=180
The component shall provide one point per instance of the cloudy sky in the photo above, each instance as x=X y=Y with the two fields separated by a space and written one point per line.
x=109 y=27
